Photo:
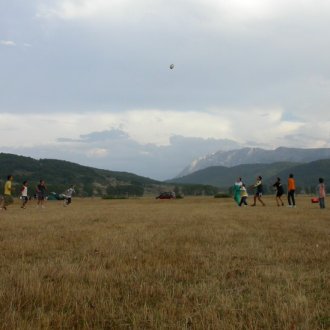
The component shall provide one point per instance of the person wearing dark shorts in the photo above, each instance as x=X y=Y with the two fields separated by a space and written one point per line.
x=41 y=193
x=279 y=192
x=259 y=192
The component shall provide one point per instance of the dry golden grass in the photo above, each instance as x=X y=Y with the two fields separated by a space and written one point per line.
x=196 y=263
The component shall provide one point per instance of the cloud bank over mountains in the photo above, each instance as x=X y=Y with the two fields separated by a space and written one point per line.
x=116 y=150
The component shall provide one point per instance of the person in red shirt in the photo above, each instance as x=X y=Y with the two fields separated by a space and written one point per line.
x=291 y=191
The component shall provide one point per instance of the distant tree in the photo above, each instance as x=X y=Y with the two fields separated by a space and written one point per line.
x=177 y=190
x=198 y=190
x=88 y=189
x=136 y=189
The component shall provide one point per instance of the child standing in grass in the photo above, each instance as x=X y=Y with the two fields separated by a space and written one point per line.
x=244 y=195
x=24 y=194
x=320 y=189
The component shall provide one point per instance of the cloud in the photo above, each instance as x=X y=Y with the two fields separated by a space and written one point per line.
x=159 y=162
x=234 y=14
x=312 y=135
x=97 y=152
x=9 y=43
x=153 y=143
x=113 y=134
x=268 y=60
x=155 y=126
x=85 y=9
x=103 y=136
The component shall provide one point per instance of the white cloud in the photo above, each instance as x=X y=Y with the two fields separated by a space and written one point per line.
x=86 y=9
x=157 y=127
x=147 y=142
x=9 y=43
x=97 y=152
x=238 y=9
x=229 y=11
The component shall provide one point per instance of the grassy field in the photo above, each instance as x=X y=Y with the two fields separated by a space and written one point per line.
x=196 y=263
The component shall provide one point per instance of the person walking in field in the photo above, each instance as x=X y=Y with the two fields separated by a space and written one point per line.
x=244 y=195
x=24 y=194
x=41 y=193
x=291 y=191
x=259 y=192
x=237 y=190
x=68 y=196
x=279 y=192
x=320 y=189
x=7 y=198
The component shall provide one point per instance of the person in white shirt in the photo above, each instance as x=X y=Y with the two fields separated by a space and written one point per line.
x=244 y=195
x=24 y=194
x=237 y=191
x=68 y=195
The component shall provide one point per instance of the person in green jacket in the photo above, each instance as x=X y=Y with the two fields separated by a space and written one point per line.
x=237 y=190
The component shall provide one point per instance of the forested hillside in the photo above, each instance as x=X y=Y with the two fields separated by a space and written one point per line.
x=59 y=175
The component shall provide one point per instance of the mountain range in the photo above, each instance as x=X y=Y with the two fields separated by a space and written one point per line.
x=256 y=156
x=306 y=174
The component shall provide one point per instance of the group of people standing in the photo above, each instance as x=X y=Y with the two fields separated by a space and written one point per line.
x=291 y=191
x=241 y=195
x=41 y=194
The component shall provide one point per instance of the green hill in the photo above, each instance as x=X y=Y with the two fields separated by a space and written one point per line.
x=307 y=175
x=223 y=177
x=59 y=175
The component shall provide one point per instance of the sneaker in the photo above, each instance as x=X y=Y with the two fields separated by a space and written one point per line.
x=289 y=205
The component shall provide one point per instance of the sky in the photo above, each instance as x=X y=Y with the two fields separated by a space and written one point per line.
x=88 y=81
